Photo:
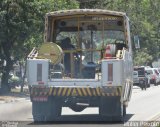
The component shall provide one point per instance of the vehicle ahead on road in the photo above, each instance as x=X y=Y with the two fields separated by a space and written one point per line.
x=140 y=78
x=154 y=75
x=93 y=48
x=158 y=74
x=135 y=77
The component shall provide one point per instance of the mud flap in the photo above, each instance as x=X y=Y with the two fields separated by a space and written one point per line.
x=46 y=111
x=111 y=107
x=38 y=111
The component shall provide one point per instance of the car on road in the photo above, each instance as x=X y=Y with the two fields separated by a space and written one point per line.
x=140 y=78
x=135 y=77
x=155 y=76
x=158 y=73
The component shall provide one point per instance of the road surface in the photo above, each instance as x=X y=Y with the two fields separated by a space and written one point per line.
x=144 y=105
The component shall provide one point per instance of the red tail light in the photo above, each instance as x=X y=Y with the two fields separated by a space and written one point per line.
x=41 y=83
x=153 y=77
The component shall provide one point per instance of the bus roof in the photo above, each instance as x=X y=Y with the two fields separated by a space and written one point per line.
x=86 y=11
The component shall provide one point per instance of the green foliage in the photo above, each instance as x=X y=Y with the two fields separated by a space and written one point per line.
x=22 y=26
x=142 y=58
x=22 y=23
x=46 y=6
x=144 y=17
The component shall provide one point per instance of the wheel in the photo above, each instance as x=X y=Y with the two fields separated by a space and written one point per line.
x=155 y=84
x=143 y=86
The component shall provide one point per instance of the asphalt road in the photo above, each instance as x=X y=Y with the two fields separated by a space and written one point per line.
x=144 y=105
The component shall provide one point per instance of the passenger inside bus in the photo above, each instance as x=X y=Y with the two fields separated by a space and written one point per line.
x=67 y=46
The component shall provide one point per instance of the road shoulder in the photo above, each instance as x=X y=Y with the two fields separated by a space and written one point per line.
x=14 y=95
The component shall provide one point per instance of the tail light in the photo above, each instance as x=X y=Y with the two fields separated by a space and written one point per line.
x=40 y=83
x=153 y=77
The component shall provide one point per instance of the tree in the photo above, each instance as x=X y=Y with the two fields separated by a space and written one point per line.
x=144 y=17
x=21 y=28
x=16 y=18
x=43 y=7
x=142 y=58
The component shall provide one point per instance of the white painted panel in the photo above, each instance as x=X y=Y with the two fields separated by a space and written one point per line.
x=118 y=72
x=75 y=82
x=32 y=70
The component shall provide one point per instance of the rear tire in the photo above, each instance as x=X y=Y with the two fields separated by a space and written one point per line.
x=155 y=84
x=143 y=86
